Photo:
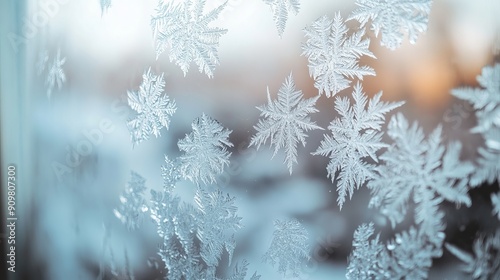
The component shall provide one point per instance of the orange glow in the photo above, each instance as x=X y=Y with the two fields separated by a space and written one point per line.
x=431 y=87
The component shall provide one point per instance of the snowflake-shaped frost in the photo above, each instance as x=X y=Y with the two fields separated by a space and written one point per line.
x=334 y=56
x=285 y=121
x=153 y=108
x=488 y=169
x=485 y=263
x=177 y=227
x=196 y=238
x=55 y=75
x=217 y=224
x=394 y=19
x=418 y=168
x=133 y=204
x=424 y=171
x=492 y=138
x=412 y=252
x=486 y=100
x=356 y=135
x=368 y=258
x=408 y=256
x=184 y=30
x=289 y=247
x=280 y=9
x=205 y=150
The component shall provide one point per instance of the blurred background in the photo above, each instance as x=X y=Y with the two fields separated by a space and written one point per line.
x=67 y=229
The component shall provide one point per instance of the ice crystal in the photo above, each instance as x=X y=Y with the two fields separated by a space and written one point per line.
x=153 y=107
x=195 y=238
x=369 y=258
x=412 y=252
x=289 y=247
x=419 y=168
x=408 y=256
x=176 y=226
x=394 y=19
x=486 y=100
x=217 y=224
x=485 y=263
x=492 y=138
x=356 y=136
x=333 y=55
x=205 y=150
x=183 y=30
x=280 y=9
x=285 y=122
x=488 y=169
x=133 y=204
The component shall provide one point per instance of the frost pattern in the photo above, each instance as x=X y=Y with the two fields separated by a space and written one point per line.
x=176 y=226
x=418 y=168
x=486 y=100
x=334 y=56
x=289 y=247
x=285 y=122
x=280 y=9
x=394 y=19
x=408 y=256
x=133 y=204
x=219 y=221
x=230 y=7
x=356 y=136
x=205 y=150
x=184 y=30
x=195 y=238
x=488 y=169
x=485 y=263
x=153 y=108
x=369 y=258
x=492 y=138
